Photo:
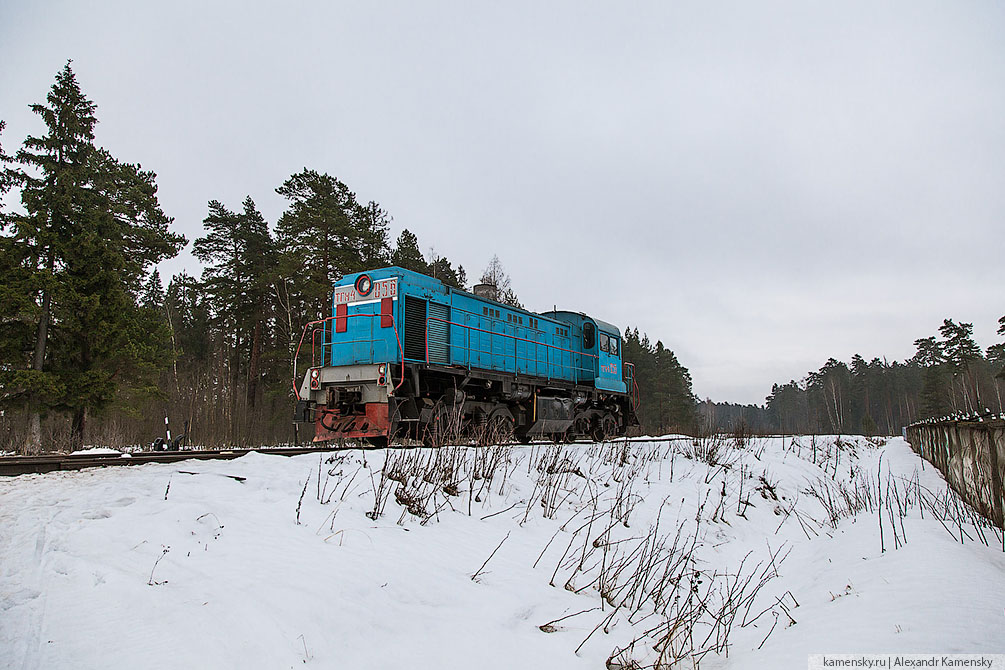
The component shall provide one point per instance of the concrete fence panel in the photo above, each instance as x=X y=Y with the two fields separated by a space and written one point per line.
x=970 y=453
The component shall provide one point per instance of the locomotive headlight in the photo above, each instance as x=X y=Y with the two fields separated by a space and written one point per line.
x=315 y=379
x=382 y=374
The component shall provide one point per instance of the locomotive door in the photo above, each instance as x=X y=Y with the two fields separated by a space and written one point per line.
x=609 y=363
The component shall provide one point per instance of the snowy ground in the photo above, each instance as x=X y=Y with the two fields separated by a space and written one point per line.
x=464 y=558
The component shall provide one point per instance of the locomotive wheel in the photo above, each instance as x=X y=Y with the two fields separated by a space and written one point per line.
x=604 y=428
x=610 y=426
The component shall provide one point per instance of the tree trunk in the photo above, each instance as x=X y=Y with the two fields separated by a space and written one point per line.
x=33 y=440
x=256 y=346
x=77 y=429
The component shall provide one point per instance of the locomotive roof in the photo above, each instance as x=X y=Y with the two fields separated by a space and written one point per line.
x=391 y=270
x=609 y=328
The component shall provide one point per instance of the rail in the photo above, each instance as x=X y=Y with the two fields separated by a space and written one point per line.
x=13 y=466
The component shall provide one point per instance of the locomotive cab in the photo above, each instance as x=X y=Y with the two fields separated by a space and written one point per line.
x=599 y=342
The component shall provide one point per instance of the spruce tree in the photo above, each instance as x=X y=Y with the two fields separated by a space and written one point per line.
x=18 y=311
x=152 y=295
x=91 y=228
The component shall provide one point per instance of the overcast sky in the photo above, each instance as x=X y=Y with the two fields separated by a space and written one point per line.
x=760 y=185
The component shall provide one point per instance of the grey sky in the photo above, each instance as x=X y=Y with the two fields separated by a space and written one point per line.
x=760 y=185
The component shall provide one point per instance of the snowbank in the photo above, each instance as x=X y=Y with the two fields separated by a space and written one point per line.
x=507 y=557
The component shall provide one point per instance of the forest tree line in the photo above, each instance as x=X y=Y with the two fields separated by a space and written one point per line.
x=948 y=375
x=95 y=349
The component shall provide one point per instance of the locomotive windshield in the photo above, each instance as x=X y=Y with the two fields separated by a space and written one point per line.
x=609 y=344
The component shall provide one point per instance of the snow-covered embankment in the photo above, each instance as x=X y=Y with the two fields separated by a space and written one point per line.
x=738 y=556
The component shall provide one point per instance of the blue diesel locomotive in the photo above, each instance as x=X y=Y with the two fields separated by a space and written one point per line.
x=405 y=356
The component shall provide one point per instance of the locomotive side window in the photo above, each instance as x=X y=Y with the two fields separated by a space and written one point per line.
x=589 y=336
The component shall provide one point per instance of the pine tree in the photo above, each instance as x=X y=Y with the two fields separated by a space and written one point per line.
x=239 y=278
x=666 y=399
x=187 y=308
x=371 y=223
x=961 y=353
x=406 y=253
x=788 y=406
x=996 y=356
x=828 y=391
x=325 y=234
x=441 y=268
x=958 y=347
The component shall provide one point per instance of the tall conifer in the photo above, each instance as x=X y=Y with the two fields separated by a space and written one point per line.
x=92 y=226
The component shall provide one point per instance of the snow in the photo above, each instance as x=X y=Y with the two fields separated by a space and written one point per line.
x=258 y=562
x=92 y=451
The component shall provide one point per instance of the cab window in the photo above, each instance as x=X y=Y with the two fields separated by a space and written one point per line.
x=613 y=346
x=589 y=336
x=603 y=343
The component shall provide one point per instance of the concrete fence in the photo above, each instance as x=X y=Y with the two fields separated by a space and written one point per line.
x=971 y=455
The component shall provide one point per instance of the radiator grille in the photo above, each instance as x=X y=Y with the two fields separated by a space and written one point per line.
x=439 y=333
x=415 y=328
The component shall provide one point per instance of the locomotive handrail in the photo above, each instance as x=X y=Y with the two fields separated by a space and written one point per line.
x=296 y=356
x=633 y=387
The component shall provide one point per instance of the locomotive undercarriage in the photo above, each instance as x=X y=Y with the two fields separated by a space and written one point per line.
x=442 y=404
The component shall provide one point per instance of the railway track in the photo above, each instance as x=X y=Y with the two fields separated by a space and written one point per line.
x=11 y=466
x=22 y=465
